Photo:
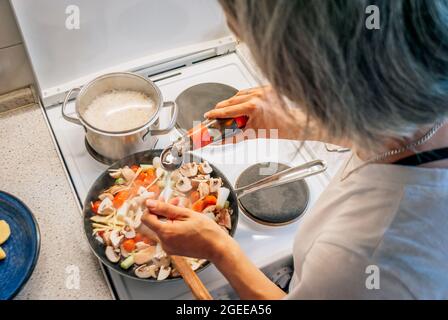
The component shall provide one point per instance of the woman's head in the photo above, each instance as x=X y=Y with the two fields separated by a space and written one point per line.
x=364 y=85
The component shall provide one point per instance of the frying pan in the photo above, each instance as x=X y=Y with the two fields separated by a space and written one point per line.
x=105 y=181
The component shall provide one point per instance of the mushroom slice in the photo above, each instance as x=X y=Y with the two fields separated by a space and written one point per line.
x=184 y=184
x=99 y=238
x=128 y=232
x=145 y=271
x=199 y=178
x=141 y=245
x=111 y=255
x=205 y=168
x=124 y=252
x=164 y=273
x=195 y=263
x=215 y=184
x=223 y=218
x=115 y=174
x=106 y=207
x=189 y=169
x=204 y=189
x=160 y=253
x=115 y=238
x=128 y=173
x=106 y=238
x=145 y=255
x=175 y=175
x=106 y=195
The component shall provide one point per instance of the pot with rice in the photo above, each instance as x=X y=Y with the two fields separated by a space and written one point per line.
x=118 y=112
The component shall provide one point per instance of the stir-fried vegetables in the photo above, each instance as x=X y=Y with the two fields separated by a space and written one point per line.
x=118 y=211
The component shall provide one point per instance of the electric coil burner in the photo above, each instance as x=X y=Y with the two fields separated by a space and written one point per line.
x=274 y=206
x=98 y=157
x=198 y=99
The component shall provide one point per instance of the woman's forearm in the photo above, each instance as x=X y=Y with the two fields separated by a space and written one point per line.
x=245 y=278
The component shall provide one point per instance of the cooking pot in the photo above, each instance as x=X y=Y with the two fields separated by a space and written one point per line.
x=119 y=144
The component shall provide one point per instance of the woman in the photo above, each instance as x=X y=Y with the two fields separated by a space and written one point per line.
x=383 y=93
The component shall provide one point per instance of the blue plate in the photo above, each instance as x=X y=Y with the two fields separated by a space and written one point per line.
x=22 y=247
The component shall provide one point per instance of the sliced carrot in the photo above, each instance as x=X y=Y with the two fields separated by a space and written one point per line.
x=95 y=206
x=149 y=179
x=150 y=172
x=129 y=245
x=198 y=206
x=120 y=198
x=209 y=201
x=141 y=177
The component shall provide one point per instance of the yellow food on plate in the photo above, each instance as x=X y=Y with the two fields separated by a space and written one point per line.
x=5 y=232
x=2 y=254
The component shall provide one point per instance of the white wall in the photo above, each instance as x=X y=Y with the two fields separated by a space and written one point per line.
x=15 y=70
x=111 y=32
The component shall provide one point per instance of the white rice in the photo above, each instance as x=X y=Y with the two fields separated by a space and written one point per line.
x=119 y=110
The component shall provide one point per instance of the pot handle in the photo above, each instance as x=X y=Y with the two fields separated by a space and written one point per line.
x=283 y=177
x=175 y=111
x=65 y=115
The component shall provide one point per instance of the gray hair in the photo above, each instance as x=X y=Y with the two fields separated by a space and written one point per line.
x=363 y=85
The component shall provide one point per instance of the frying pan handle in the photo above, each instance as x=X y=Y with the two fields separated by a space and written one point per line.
x=283 y=177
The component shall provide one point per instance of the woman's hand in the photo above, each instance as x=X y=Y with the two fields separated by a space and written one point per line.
x=186 y=232
x=192 y=234
x=264 y=111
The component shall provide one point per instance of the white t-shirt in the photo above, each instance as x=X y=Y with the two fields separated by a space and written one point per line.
x=383 y=226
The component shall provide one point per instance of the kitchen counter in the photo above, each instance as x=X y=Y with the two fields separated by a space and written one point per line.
x=31 y=170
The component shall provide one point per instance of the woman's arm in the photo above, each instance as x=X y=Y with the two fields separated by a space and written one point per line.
x=244 y=277
x=192 y=234
x=264 y=111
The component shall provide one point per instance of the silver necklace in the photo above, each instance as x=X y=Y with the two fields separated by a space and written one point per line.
x=382 y=156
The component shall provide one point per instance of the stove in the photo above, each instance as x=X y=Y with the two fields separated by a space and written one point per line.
x=269 y=245
x=197 y=100
x=186 y=48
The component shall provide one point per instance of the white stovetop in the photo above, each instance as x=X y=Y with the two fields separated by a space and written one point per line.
x=262 y=244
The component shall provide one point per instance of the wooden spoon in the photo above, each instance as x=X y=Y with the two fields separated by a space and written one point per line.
x=191 y=278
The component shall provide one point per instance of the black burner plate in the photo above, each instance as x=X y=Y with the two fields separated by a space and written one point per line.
x=197 y=100
x=273 y=206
